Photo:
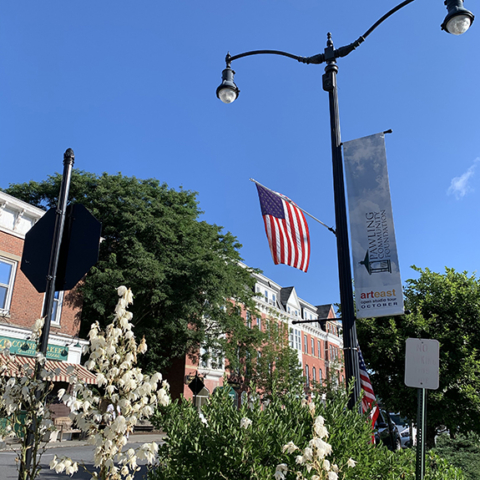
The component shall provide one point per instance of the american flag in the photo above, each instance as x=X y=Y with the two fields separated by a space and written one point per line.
x=286 y=228
x=369 y=402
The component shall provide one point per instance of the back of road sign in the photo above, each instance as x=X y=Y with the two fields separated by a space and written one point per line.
x=78 y=253
x=422 y=363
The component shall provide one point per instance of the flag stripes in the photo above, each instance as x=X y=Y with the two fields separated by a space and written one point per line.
x=369 y=402
x=286 y=229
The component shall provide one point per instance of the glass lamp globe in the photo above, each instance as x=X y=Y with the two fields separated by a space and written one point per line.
x=227 y=95
x=458 y=24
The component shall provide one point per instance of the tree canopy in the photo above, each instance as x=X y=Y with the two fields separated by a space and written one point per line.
x=444 y=307
x=181 y=270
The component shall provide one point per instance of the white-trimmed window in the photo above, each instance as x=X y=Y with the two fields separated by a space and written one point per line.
x=57 y=307
x=7 y=278
x=298 y=341
x=307 y=378
x=313 y=347
x=305 y=344
x=314 y=375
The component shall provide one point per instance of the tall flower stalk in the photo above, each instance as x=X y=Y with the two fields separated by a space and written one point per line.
x=316 y=460
x=23 y=395
x=128 y=396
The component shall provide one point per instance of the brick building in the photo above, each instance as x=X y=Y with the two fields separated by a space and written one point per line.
x=21 y=304
x=319 y=345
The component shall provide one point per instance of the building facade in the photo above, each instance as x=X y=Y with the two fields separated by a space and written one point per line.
x=319 y=344
x=21 y=304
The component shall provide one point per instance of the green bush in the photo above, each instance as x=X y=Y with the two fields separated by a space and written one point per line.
x=220 y=448
x=463 y=451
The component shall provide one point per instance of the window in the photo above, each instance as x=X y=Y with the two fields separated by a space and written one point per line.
x=204 y=355
x=313 y=347
x=266 y=295
x=298 y=342
x=294 y=339
x=305 y=344
x=7 y=278
x=319 y=352
x=274 y=299
x=314 y=374
x=320 y=375
x=307 y=379
x=259 y=323
x=249 y=320
x=57 y=308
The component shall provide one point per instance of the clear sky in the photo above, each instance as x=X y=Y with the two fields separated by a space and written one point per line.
x=130 y=86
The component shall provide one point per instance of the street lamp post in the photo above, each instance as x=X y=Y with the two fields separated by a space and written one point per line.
x=457 y=21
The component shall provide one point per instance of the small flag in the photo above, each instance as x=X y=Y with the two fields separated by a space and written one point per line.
x=286 y=228
x=369 y=402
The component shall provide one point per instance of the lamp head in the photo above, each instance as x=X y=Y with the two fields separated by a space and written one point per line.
x=458 y=19
x=227 y=92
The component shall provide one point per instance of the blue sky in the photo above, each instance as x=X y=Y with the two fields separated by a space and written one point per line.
x=130 y=86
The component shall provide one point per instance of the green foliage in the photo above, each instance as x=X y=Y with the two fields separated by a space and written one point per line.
x=463 y=452
x=446 y=308
x=278 y=367
x=220 y=448
x=180 y=268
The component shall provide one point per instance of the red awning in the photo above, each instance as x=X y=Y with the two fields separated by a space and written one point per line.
x=14 y=364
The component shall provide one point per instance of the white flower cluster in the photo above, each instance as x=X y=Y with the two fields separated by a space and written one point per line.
x=314 y=456
x=130 y=396
x=245 y=422
x=22 y=392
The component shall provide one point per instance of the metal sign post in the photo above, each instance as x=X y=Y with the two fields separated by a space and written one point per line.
x=68 y=160
x=422 y=372
x=421 y=426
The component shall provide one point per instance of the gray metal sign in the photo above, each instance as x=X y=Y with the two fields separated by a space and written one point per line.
x=422 y=363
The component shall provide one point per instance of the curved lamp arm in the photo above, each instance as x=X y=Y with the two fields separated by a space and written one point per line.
x=228 y=91
x=320 y=58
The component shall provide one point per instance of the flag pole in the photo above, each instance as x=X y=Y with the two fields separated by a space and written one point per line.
x=294 y=204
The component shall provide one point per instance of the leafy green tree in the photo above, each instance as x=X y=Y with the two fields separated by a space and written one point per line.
x=276 y=366
x=180 y=268
x=445 y=308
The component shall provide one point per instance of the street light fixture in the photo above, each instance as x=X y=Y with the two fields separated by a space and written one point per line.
x=457 y=21
x=227 y=92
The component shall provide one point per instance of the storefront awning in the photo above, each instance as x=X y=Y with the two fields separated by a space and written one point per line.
x=14 y=364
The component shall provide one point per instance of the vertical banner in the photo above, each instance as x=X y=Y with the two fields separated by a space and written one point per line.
x=378 y=287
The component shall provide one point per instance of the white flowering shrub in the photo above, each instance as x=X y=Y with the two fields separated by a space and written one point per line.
x=259 y=442
x=128 y=397
x=316 y=460
x=23 y=404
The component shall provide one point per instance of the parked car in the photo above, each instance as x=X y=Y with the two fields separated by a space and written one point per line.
x=407 y=436
x=387 y=432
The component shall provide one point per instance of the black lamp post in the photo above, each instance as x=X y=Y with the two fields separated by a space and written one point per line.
x=457 y=21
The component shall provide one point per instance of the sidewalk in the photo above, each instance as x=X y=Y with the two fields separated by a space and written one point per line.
x=134 y=438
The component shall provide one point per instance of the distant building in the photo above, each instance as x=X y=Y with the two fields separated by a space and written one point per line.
x=21 y=304
x=319 y=344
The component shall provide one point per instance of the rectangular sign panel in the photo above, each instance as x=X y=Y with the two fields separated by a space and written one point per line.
x=27 y=348
x=422 y=363
x=378 y=286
